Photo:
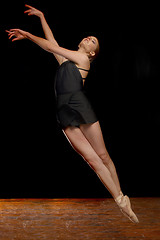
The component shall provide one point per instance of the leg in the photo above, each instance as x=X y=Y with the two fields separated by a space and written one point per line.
x=83 y=147
x=94 y=135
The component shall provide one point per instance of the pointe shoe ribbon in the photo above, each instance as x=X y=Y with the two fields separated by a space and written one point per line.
x=125 y=206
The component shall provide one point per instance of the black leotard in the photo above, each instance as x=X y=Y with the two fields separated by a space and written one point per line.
x=73 y=107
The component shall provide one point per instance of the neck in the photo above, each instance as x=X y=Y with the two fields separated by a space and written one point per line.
x=82 y=50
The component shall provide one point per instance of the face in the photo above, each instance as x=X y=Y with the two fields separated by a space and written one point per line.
x=89 y=44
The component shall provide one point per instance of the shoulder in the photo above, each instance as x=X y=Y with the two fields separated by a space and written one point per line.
x=84 y=62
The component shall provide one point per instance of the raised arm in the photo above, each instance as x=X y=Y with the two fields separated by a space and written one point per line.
x=74 y=56
x=47 y=31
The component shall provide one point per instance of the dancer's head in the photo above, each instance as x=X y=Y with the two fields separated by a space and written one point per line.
x=91 y=46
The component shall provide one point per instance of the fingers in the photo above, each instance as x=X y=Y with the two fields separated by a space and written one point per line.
x=10 y=35
x=9 y=32
x=14 y=39
x=14 y=29
x=29 y=10
x=26 y=5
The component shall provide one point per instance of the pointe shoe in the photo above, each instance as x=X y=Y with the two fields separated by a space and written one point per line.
x=125 y=206
x=121 y=194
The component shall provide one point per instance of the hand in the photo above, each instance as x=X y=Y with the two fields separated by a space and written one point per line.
x=18 y=34
x=33 y=11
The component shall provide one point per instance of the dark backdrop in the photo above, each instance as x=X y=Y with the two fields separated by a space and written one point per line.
x=123 y=86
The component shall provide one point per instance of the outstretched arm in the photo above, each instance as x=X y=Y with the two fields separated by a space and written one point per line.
x=75 y=56
x=47 y=31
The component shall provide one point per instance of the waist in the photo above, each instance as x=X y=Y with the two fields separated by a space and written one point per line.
x=61 y=92
x=68 y=94
x=67 y=98
x=65 y=87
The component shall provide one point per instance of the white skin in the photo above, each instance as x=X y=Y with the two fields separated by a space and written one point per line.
x=88 y=139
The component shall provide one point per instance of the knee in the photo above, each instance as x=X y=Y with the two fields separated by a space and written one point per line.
x=105 y=158
x=94 y=162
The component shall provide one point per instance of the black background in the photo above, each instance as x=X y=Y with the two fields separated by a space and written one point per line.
x=123 y=86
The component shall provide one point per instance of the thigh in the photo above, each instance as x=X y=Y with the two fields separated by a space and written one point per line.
x=94 y=135
x=79 y=142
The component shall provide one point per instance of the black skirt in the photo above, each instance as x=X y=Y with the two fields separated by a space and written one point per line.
x=74 y=109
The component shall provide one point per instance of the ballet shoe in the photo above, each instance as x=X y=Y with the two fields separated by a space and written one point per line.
x=121 y=194
x=125 y=206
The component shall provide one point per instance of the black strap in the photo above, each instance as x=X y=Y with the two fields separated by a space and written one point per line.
x=84 y=69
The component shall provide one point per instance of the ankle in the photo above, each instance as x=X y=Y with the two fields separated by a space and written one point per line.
x=118 y=199
x=119 y=196
x=121 y=201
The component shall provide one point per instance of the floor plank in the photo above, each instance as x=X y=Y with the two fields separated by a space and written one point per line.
x=64 y=219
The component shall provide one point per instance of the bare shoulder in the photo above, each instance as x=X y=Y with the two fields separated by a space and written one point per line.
x=63 y=60
x=84 y=62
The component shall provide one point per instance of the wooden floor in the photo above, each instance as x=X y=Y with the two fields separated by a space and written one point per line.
x=71 y=219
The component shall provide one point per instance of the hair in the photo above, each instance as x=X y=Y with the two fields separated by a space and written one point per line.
x=96 y=53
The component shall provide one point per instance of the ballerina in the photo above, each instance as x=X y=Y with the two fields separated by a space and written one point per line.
x=75 y=114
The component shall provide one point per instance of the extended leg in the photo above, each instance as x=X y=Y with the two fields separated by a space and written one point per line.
x=83 y=147
x=94 y=135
